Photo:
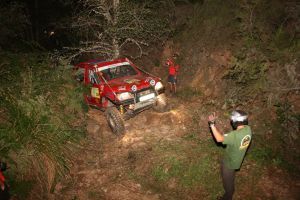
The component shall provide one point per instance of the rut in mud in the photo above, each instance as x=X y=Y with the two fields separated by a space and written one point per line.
x=101 y=169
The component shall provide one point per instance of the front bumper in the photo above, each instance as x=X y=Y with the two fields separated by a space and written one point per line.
x=143 y=99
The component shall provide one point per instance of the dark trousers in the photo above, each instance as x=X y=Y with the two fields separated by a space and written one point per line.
x=228 y=181
x=4 y=194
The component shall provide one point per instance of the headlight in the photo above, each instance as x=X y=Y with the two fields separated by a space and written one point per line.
x=158 y=86
x=124 y=96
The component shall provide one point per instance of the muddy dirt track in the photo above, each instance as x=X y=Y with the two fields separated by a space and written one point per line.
x=103 y=167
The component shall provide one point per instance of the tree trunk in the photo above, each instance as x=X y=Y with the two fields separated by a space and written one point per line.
x=116 y=50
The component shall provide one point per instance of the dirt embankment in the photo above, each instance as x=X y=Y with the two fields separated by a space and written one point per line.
x=101 y=168
x=106 y=165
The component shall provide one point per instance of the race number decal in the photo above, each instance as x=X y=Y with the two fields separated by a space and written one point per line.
x=245 y=142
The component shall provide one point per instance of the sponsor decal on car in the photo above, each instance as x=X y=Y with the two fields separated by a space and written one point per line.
x=121 y=88
x=129 y=81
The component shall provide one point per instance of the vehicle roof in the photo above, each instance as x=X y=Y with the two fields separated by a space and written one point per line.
x=100 y=63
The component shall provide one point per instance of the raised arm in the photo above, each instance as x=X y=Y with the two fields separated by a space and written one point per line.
x=212 y=124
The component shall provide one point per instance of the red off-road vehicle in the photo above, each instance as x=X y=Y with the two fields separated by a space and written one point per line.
x=120 y=89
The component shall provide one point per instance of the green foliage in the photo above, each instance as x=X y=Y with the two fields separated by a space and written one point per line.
x=42 y=119
x=262 y=155
x=270 y=26
x=244 y=71
x=19 y=187
x=95 y=195
x=282 y=39
x=257 y=33
x=188 y=93
x=188 y=166
x=212 y=21
x=276 y=139
x=289 y=123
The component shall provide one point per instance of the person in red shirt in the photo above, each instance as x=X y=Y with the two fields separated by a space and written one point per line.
x=4 y=194
x=173 y=72
x=2 y=181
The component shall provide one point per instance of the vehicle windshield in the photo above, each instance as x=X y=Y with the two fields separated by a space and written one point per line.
x=118 y=72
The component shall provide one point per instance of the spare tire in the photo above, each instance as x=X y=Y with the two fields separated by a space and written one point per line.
x=115 y=120
x=161 y=103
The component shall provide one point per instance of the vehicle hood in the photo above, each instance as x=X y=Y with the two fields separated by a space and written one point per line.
x=124 y=84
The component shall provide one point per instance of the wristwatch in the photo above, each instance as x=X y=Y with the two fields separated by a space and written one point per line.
x=211 y=123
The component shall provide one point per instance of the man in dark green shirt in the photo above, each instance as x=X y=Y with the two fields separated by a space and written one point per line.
x=237 y=143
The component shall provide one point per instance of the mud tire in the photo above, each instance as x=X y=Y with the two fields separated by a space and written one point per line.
x=161 y=104
x=115 y=120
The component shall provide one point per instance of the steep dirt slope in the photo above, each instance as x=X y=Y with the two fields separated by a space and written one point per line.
x=100 y=170
x=104 y=166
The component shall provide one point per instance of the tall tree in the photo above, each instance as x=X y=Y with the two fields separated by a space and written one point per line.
x=107 y=26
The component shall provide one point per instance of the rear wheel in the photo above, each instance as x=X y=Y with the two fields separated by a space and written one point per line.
x=115 y=120
x=161 y=103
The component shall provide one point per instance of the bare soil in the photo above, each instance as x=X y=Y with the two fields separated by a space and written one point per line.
x=102 y=168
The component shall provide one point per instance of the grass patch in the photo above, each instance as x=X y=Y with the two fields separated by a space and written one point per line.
x=18 y=187
x=261 y=155
x=41 y=120
x=188 y=93
x=195 y=165
x=95 y=195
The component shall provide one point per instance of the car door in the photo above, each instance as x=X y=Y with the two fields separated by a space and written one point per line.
x=93 y=95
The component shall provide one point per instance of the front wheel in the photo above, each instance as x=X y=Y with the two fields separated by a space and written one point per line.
x=115 y=120
x=161 y=103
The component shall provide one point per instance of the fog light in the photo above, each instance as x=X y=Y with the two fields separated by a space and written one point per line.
x=158 y=86
x=131 y=106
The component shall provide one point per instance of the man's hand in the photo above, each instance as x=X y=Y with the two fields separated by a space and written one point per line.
x=212 y=119
x=2 y=186
x=217 y=134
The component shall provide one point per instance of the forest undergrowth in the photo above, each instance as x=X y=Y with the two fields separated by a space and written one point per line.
x=245 y=54
x=41 y=122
